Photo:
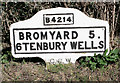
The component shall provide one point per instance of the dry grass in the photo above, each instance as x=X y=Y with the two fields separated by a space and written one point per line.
x=30 y=71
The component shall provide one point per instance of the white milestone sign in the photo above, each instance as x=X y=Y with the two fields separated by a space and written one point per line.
x=59 y=35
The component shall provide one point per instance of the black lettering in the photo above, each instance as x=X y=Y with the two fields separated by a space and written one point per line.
x=101 y=45
x=53 y=19
x=51 y=46
x=79 y=45
x=68 y=59
x=31 y=46
x=58 y=46
x=59 y=19
x=47 y=20
x=66 y=33
x=21 y=35
x=39 y=46
x=58 y=35
x=44 y=36
x=45 y=46
x=25 y=45
x=91 y=33
x=36 y=35
x=92 y=44
x=52 y=34
x=73 y=45
x=64 y=44
x=18 y=46
x=74 y=34
x=69 y=19
x=28 y=36
x=86 y=45
x=63 y=19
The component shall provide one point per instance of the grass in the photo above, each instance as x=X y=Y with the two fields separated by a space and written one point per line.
x=29 y=71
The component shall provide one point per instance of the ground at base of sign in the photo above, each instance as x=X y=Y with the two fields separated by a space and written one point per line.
x=29 y=71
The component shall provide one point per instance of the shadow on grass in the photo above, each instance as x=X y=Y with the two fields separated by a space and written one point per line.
x=9 y=58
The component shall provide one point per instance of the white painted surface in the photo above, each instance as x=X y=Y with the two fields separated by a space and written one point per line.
x=79 y=23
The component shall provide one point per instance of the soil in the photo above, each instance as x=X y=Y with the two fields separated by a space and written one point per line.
x=32 y=71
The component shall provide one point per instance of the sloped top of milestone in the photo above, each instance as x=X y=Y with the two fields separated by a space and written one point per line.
x=80 y=19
